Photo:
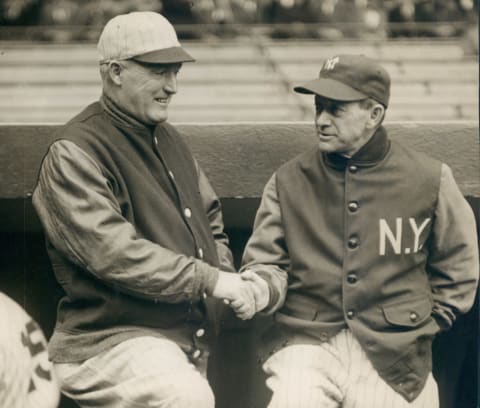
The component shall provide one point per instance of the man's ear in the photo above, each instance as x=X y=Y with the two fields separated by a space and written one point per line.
x=377 y=113
x=115 y=72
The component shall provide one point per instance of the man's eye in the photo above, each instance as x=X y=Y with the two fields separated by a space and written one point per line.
x=164 y=72
x=336 y=110
x=331 y=109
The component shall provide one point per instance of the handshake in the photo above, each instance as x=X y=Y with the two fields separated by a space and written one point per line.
x=246 y=293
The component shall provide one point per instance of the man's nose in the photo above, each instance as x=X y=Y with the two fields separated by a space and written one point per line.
x=171 y=83
x=322 y=118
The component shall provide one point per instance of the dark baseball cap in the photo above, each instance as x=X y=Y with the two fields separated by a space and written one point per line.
x=350 y=78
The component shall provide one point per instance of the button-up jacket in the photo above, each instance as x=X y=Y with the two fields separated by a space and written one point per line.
x=382 y=243
x=134 y=232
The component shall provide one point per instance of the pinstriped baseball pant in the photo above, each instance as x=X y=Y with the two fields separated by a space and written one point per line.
x=332 y=375
x=139 y=373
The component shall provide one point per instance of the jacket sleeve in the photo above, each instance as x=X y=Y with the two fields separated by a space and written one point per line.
x=453 y=260
x=266 y=251
x=213 y=209
x=83 y=221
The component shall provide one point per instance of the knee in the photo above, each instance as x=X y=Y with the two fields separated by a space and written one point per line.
x=192 y=393
x=201 y=398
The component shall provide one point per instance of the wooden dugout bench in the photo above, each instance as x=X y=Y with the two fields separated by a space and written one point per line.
x=238 y=158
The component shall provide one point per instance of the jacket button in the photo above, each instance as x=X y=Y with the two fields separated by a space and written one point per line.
x=350 y=314
x=352 y=278
x=353 y=242
x=353 y=206
x=204 y=295
x=413 y=317
x=196 y=354
x=200 y=253
x=188 y=212
x=352 y=168
x=200 y=332
x=323 y=336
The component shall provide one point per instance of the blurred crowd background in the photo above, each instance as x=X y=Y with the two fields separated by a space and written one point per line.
x=250 y=54
x=329 y=19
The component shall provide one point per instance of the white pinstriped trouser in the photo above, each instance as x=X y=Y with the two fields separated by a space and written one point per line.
x=138 y=373
x=332 y=375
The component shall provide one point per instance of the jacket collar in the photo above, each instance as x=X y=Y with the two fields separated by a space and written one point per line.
x=121 y=117
x=369 y=154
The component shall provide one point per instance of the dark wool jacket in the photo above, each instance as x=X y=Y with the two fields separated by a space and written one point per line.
x=361 y=243
x=134 y=233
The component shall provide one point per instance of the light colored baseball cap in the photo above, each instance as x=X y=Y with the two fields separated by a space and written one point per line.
x=143 y=36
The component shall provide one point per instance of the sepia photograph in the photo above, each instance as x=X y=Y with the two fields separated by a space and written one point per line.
x=239 y=204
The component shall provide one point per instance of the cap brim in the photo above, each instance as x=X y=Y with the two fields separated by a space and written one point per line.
x=166 y=56
x=331 y=89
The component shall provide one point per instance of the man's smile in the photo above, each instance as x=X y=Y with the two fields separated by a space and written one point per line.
x=163 y=101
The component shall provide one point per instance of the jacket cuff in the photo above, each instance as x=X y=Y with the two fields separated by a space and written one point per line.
x=207 y=278
x=274 y=295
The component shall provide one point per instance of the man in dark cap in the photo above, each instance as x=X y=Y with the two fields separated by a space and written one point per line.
x=135 y=235
x=369 y=250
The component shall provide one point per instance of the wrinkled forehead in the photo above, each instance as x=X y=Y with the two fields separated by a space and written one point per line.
x=322 y=101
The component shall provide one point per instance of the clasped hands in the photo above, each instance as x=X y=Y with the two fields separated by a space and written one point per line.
x=246 y=293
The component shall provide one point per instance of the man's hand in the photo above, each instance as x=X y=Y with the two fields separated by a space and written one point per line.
x=260 y=289
x=238 y=292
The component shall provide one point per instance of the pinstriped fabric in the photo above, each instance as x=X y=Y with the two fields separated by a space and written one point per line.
x=139 y=373
x=336 y=374
x=304 y=376
x=136 y=33
x=26 y=375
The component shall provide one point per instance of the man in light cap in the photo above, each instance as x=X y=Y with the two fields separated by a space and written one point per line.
x=369 y=249
x=135 y=235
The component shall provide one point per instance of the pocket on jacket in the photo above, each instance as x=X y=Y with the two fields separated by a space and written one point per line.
x=410 y=312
